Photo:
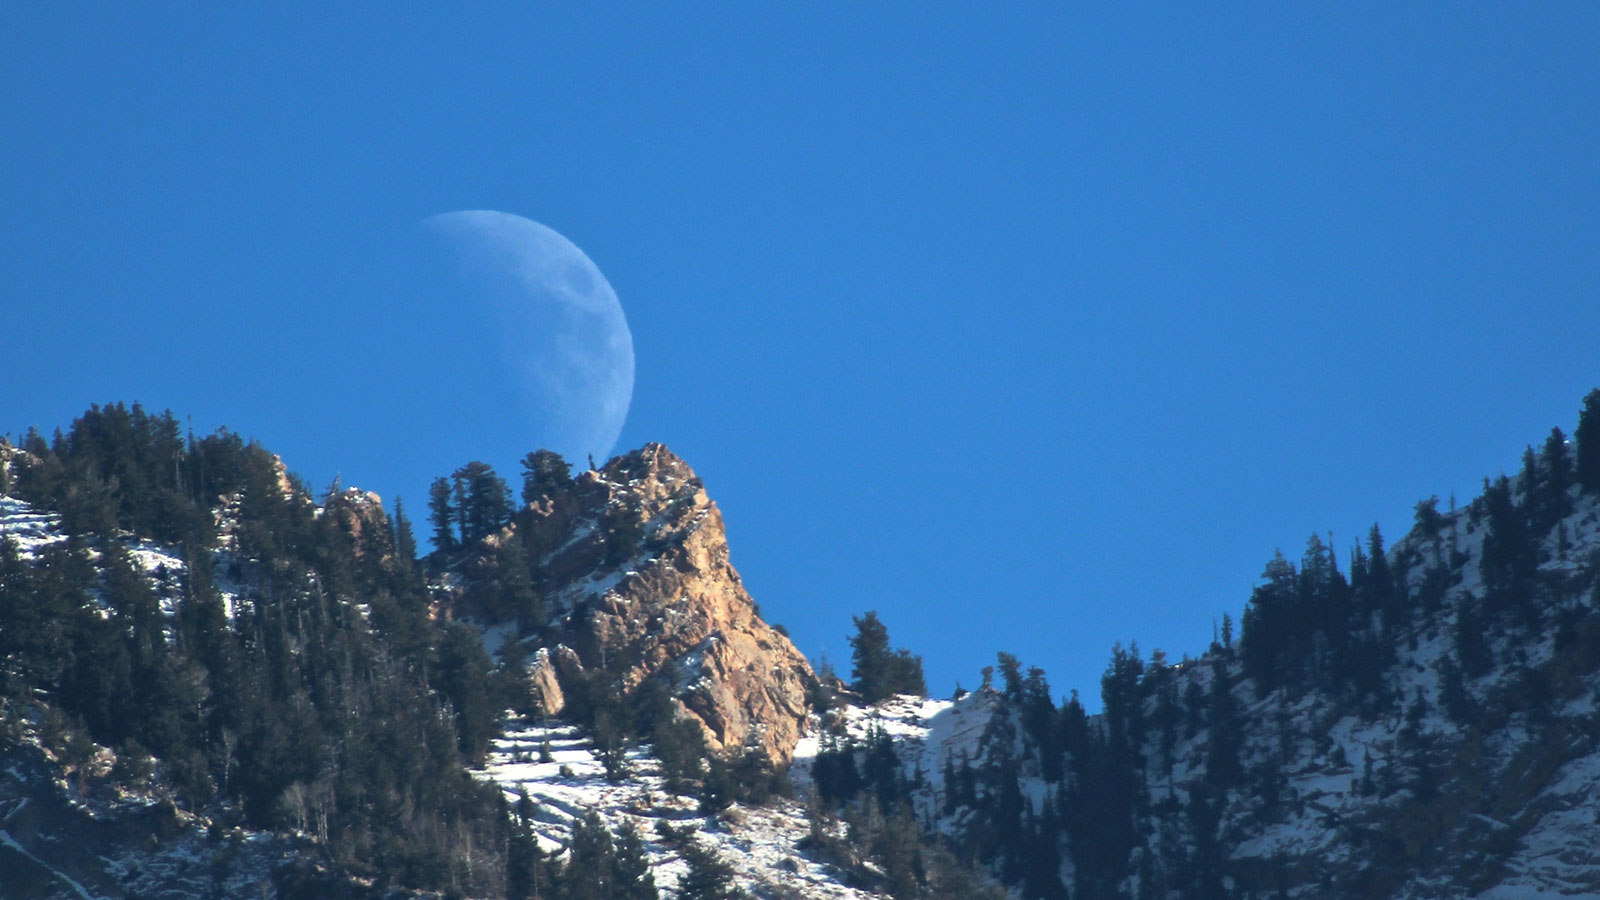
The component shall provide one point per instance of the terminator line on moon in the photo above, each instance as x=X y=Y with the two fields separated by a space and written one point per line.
x=565 y=334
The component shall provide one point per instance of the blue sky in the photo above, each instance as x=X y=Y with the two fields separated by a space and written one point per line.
x=1033 y=328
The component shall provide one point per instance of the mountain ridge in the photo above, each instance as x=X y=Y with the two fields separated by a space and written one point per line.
x=187 y=630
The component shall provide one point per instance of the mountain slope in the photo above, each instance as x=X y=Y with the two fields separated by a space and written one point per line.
x=1425 y=726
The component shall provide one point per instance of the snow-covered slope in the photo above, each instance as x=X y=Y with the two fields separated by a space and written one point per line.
x=31 y=529
x=928 y=736
x=558 y=769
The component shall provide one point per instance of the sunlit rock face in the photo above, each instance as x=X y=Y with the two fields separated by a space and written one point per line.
x=632 y=560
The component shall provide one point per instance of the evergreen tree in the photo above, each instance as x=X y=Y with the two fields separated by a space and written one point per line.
x=877 y=672
x=482 y=501
x=905 y=673
x=283 y=701
x=631 y=872
x=1557 y=470
x=527 y=871
x=441 y=514
x=1123 y=703
x=1509 y=559
x=835 y=773
x=1010 y=676
x=518 y=599
x=1472 y=648
x=898 y=848
x=543 y=471
x=1207 y=854
x=462 y=676
x=1269 y=625
x=1427 y=520
x=405 y=542
x=1453 y=696
x=1378 y=587
x=708 y=878
x=590 y=872
x=1225 y=734
x=623 y=523
x=1587 y=437
x=1194 y=708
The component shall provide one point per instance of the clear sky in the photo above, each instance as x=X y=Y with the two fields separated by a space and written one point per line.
x=1032 y=327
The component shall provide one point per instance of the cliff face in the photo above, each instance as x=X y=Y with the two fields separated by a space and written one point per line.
x=632 y=560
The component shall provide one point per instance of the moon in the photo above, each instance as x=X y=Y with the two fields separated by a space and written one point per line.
x=565 y=335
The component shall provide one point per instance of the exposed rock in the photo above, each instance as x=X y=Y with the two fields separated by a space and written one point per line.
x=544 y=683
x=633 y=562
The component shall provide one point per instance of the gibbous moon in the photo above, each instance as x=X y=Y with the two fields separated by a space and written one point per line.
x=564 y=332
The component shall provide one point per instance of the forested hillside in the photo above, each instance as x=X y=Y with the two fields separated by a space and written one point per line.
x=1416 y=720
x=242 y=653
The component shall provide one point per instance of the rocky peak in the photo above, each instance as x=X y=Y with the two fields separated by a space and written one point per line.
x=632 y=560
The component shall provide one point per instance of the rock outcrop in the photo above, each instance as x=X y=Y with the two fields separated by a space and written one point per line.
x=632 y=561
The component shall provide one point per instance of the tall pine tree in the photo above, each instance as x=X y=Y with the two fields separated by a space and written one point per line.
x=1588 y=439
x=441 y=514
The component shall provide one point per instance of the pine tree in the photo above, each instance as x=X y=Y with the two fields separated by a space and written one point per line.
x=1378 y=586
x=1010 y=676
x=1587 y=437
x=1554 y=504
x=462 y=676
x=708 y=878
x=1225 y=736
x=1208 y=855
x=542 y=472
x=632 y=877
x=1268 y=643
x=518 y=598
x=1194 y=708
x=590 y=872
x=405 y=542
x=871 y=659
x=441 y=514
x=1510 y=555
x=898 y=849
x=527 y=872
x=1453 y=692
x=905 y=673
x=1471 y=647
x=623 y=525
x=482 y=501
